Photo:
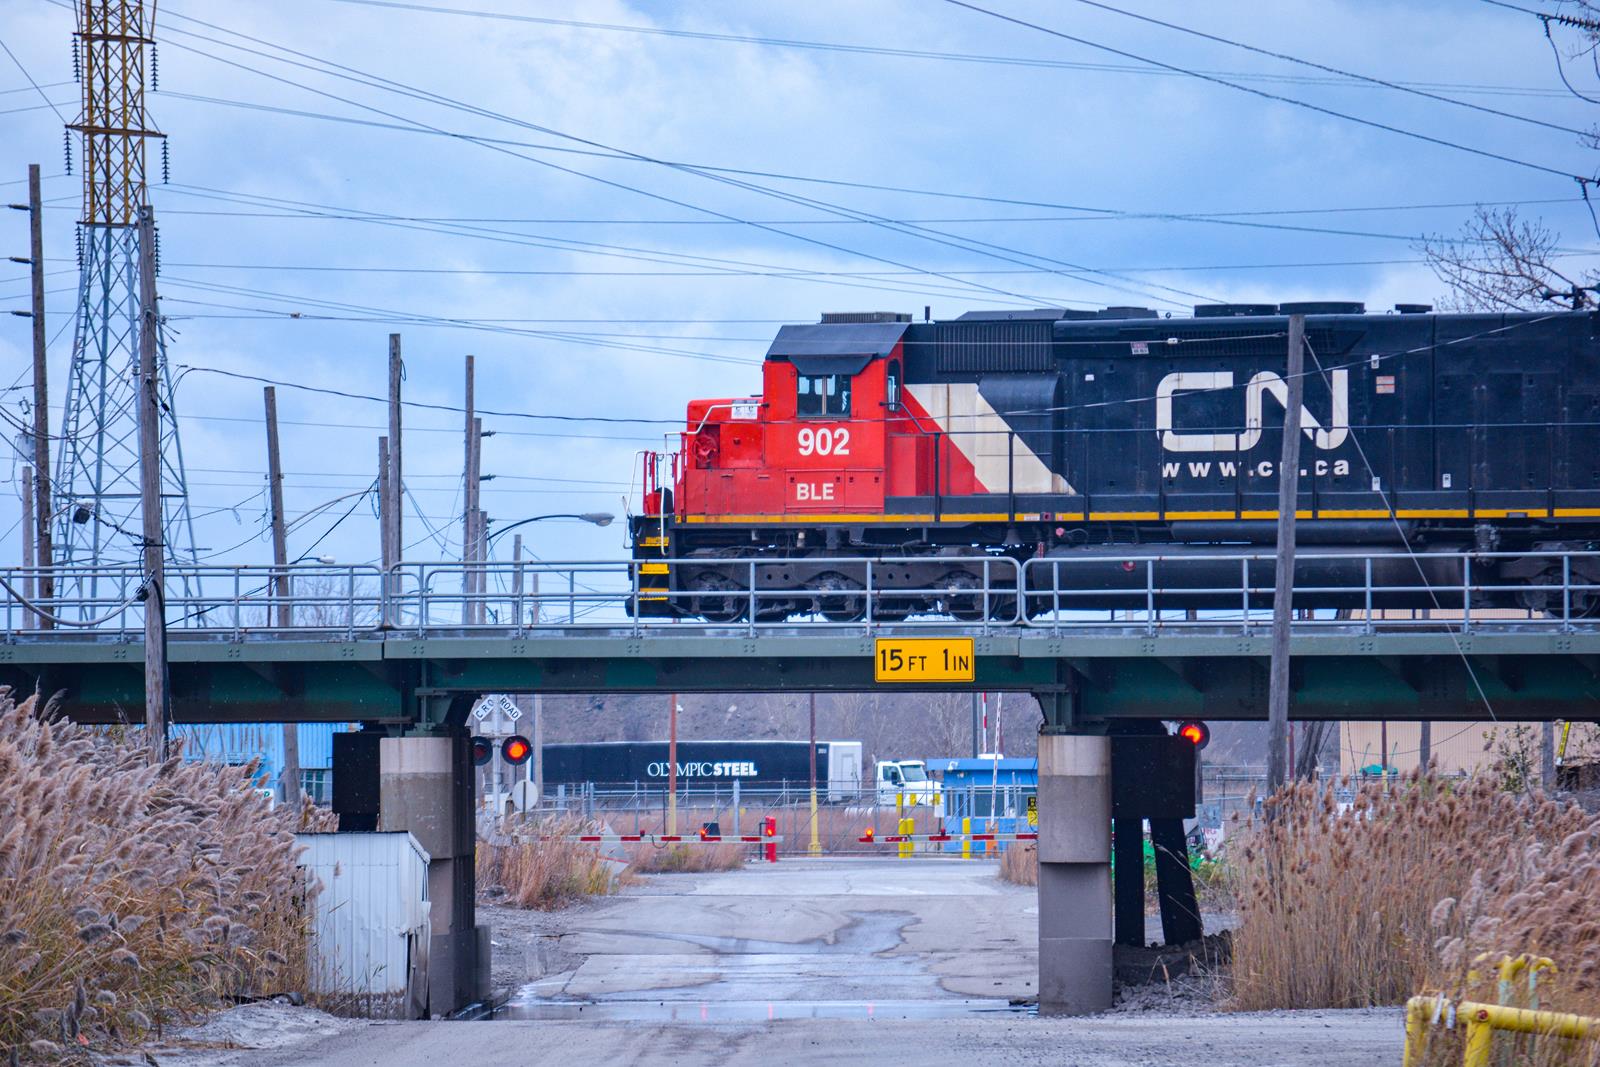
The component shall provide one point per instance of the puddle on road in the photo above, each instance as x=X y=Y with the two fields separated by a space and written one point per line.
x=758 y=980
x=742 y=1011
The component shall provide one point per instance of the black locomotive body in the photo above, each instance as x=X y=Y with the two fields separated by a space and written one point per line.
x=1095 y=435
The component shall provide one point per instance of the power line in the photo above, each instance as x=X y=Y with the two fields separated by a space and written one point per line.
x=1372 y=123
x=910 y=53
x=1238 y=218
x=1397 y=86
x=42 y=94
x=390 y=85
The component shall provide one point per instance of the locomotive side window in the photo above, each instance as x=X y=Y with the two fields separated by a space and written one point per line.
x=823 y=395
x=891 y=384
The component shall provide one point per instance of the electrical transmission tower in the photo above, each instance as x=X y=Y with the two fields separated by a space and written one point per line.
x=97 y=486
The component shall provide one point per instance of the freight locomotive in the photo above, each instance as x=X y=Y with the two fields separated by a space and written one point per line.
x=1092 y=436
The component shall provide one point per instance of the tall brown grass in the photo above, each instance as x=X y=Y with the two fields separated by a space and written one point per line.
x=1402 y=891
x=132 y=895
x=537 y=868
x=1019 y=864
x=688 y=858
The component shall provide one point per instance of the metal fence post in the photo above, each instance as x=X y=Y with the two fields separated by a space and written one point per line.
x=1367 y=592
x=1566 y=592
x=1466 y=594
x=1150 y=597
x=750 y=622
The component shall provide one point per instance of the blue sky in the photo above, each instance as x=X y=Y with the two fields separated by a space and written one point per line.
x=557 y=280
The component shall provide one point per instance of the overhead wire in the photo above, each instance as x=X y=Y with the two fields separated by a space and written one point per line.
x=879 y=50
x=42 y=94
x=404 y=89
x=532 y=159
x=1278 y=97
x=1285 y=57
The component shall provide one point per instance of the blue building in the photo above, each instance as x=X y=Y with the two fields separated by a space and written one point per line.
x=1001 y=790
x=236 y=744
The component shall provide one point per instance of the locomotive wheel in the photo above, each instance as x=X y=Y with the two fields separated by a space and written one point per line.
x=840 y=608
x=729 y=607
x=958 y=602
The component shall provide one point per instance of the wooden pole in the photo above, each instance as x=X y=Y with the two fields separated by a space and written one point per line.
x=396 y=468
x=672 y=764
x=43 y=552
x=1283 y=591
x=280 y=561
x=469 y=506
x=26 y=492
x=480 y=582
x=815 y=847
x=385 y=513
x=157 y=712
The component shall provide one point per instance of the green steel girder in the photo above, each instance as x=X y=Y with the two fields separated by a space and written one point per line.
x=1084 y=678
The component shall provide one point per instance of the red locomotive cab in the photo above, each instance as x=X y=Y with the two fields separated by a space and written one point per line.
x=827 y=434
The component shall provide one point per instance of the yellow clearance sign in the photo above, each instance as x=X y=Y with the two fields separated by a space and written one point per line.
x=923 y=659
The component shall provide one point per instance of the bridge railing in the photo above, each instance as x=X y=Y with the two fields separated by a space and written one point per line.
x=1351 y=590
x=839 y=593
x=1147 y=592
x=102 y=601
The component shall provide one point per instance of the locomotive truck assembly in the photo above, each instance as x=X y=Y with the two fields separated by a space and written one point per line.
x=911 y=456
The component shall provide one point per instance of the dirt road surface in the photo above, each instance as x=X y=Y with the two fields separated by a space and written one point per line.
x=810 y=962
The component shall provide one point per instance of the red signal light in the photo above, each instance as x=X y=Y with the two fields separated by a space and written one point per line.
x=1195 y=732
x=516 y=750
x=870 y=834
x=482 y=751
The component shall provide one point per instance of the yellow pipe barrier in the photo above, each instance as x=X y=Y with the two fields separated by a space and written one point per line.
x=906 y=848
x=1482 y=1020
x=966 y=838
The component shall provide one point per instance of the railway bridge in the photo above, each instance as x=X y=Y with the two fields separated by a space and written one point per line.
x=406 y=652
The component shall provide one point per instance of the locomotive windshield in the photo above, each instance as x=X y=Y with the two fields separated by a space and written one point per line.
x=823 y=395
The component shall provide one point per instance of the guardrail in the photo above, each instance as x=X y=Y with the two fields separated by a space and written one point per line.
x=1148 y=592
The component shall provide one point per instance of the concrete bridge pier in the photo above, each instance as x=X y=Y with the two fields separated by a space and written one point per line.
x=425 y=785
x=1075 y=925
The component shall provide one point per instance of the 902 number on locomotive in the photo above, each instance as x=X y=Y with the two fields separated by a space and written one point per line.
x=824 y=441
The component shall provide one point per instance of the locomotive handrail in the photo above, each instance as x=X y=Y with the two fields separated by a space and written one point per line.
x=1464 y=591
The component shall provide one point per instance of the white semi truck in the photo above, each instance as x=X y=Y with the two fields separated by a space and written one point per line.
x=906 y=779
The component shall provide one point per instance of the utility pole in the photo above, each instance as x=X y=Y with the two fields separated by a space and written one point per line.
x=1424 y=744
x=1283 y=591
x=672 y=765
x=385 y=511
x=1547 y=756
x=46 y=585
x=157 y=713
x=816 y=846
x=396 y=480
x=538 y=698
x=469 y=509
x=26 y=492
x=280 y=580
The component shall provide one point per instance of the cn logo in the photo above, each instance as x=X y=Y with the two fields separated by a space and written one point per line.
x=1255 y=391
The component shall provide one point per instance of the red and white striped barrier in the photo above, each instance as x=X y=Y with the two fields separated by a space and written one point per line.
x=896 y=839
x=671 y=839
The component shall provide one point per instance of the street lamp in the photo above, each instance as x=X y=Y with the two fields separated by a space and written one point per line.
x=598 y=518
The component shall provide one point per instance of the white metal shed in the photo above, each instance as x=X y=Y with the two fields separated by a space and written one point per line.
x=370 y=929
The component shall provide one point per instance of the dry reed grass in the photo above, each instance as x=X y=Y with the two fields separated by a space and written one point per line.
x=1398 y=893
x=133 y=894
x=538 y=869
x=1019 y=864
x=689 y=858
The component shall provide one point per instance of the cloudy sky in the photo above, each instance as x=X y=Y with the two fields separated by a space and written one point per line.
x=515 y=187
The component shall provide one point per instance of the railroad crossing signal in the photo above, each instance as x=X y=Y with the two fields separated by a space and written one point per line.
x=482 y=751
x=515 y=750
x=1195 y=732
